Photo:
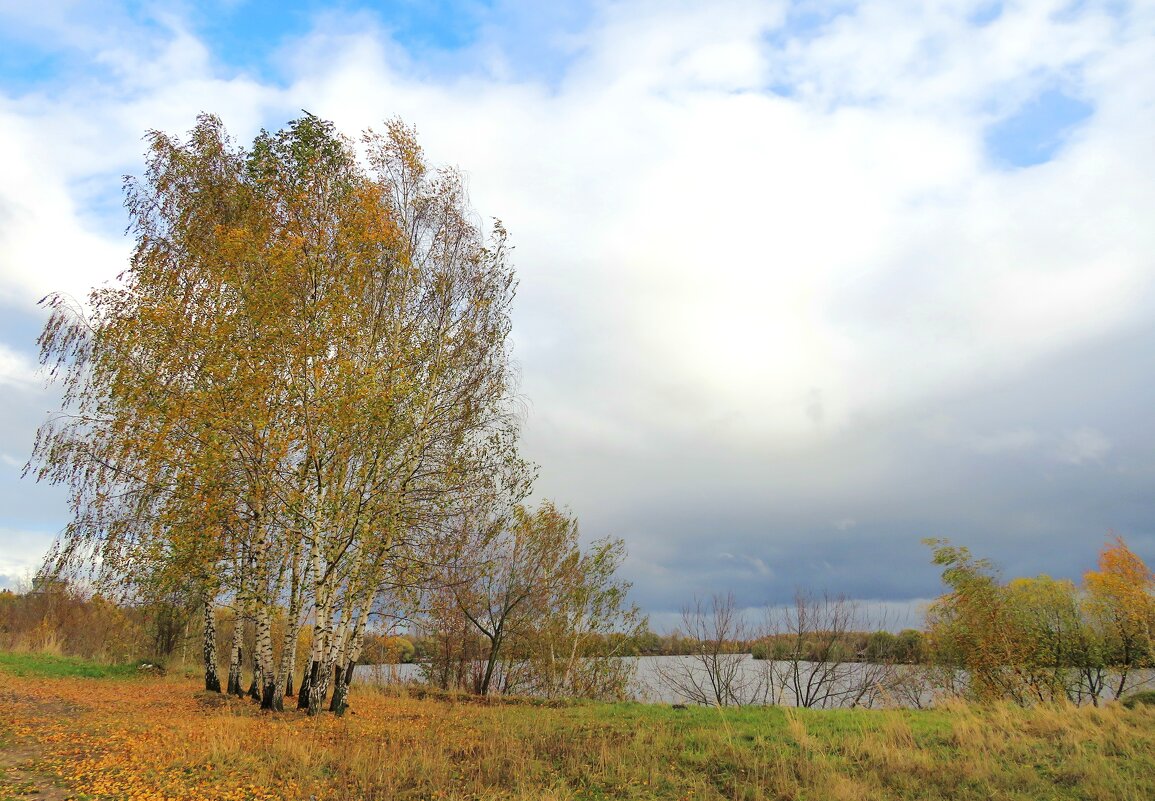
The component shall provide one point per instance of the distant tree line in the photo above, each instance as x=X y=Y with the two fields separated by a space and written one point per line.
x=907 y=647
x=55 y=617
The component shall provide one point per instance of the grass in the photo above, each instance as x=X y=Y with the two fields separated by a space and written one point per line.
x=46 y=665
x=159 y=737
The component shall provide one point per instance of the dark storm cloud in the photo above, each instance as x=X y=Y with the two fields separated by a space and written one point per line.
x=1032 y=470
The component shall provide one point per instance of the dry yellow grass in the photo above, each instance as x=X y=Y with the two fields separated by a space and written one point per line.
x=158 y=738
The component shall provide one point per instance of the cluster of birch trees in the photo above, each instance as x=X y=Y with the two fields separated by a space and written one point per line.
x=297 y=400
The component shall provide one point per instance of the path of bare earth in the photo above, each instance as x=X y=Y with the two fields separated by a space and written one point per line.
x=23 y=717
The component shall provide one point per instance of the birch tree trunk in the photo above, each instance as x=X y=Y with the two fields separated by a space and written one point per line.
x=320 y=687
x=313 y=697
x=284 y=675
x=345 y=677
x=288 y=661
x=267 y=680
x=254 y=685
x=306 y=688
x=322 y=612
x=236 y=656
x=346 y=661
x=212 y=677
x=288 y=665
x=258 y=669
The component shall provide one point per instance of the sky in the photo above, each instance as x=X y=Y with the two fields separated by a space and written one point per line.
x=801 y=283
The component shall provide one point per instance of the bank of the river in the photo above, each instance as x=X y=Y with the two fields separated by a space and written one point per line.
x=158 y=737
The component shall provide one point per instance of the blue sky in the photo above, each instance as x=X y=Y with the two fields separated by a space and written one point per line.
x=439 y=37
x=801 y=283
x=1037 y=130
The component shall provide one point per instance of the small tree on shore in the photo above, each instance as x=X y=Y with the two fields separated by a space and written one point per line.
x=713 y=673
x=1121 y=611
x=812 y=662
x=541 y=607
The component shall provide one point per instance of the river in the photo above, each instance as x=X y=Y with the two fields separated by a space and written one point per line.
x=683 y=680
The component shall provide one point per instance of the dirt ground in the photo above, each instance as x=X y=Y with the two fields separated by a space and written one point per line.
x=22 y=775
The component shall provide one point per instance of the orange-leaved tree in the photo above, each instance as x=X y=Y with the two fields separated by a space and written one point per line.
x=972 y=626
x=1120 y=605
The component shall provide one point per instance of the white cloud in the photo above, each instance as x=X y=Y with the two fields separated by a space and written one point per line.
x=1082 y=445
x=702 y=262
x=20 y=554
x=16 y=370
x=746 y=245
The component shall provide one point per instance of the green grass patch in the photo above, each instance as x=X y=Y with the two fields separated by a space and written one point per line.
x=52 y=666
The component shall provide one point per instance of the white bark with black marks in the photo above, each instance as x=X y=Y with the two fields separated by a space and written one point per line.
x=212 y=677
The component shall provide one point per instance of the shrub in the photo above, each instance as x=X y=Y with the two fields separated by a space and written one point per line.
x=1139 y=699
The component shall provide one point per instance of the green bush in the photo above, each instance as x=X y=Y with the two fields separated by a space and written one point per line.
x=1139 y=699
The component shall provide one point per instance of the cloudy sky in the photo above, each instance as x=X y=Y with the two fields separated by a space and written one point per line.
x=801 y=282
